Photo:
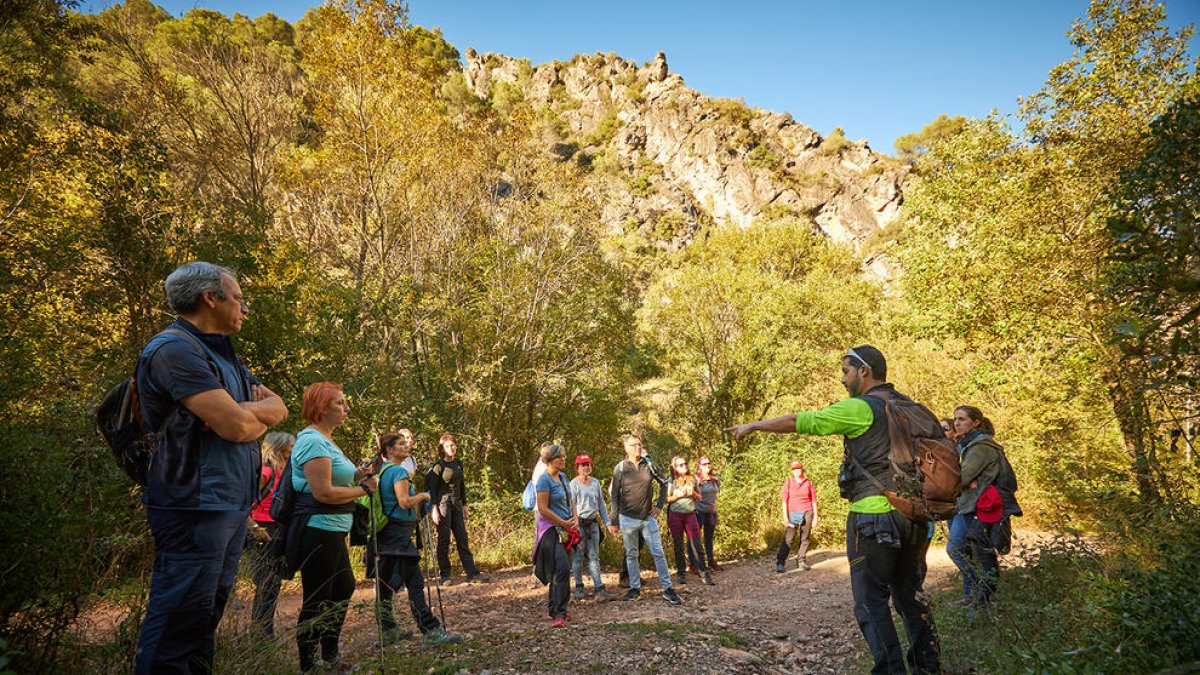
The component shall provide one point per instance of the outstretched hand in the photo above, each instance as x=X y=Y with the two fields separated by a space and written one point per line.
x=741 y=431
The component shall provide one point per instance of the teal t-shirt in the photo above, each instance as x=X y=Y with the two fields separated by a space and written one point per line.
x=311 y=444
x=387 y=493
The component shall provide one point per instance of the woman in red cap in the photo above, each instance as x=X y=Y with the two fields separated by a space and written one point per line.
x=799 y=501
x=589 y=503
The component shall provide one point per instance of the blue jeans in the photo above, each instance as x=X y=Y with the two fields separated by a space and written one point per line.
x=196 y=557
x=959 y=552
x=630 y=527
x=589 y=545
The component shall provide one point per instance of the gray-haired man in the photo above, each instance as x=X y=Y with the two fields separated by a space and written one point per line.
x=203 y=475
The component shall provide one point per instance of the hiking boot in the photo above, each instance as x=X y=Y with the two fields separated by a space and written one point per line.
x=633 y=594
x=393 y=635
x=603 y=595
x=559 y=623
x=478 y=578
x=438 y=637
x=779 y=568
x=681 y=578
x=713 y=566
x=446 y=581
x=578 y=593
x=708 y=580
x=695 y=570
x=623 y=583
x=672 y=597
x=804 y=566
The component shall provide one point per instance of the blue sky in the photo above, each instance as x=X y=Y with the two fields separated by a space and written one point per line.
x=879 y=69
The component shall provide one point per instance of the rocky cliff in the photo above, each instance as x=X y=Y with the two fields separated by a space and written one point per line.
x=667 y=159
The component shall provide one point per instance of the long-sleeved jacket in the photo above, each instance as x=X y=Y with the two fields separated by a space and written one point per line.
x=630 y=490
x=980 y=459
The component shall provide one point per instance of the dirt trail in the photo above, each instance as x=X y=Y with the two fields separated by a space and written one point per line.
x=752 y=621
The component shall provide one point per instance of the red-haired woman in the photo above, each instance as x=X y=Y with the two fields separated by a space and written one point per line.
x=326 y=485
x=444 y=482
x=706 y=508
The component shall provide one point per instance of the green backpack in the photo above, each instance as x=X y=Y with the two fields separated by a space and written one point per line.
x=366 y=508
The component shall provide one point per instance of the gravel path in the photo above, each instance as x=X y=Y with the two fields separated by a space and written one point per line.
x=752 y=621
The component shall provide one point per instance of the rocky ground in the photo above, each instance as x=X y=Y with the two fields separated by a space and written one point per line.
x=752 y=621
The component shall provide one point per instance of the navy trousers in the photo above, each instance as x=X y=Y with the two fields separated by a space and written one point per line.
x=196 y=557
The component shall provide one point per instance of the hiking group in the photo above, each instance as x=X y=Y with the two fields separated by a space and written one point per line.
x=212 y=491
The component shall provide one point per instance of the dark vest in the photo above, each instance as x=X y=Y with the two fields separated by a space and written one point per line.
x=871 y=450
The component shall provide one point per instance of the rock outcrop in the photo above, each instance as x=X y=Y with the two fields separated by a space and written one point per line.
x=667 y=158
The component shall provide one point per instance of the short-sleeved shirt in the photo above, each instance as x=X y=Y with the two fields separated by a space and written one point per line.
x=192 y=467
x=560 y=502
x=311 y=444
x=387 y=493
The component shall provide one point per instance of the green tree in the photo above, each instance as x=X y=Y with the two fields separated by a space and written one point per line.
x=1006 y=237
x=912 y=146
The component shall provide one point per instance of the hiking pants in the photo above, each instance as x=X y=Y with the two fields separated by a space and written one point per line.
x=684 y=525
x=395 y=573
x=451 y=520
x=264 y=572
x=789 y=537
x=196 y=557
x=985 y=563
x=630 y=529
x=589 y=545
x=328 y=583
x=708 y=523
x=889 y=569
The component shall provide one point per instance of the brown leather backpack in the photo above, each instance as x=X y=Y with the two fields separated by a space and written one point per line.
x=925 y=468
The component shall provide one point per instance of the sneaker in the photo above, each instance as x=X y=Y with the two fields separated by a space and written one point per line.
x=779 y=568
x=393 y=635
x=633 y=594
x=804 y=566
x=708 y=580
x=578 y=595
x=695 y=570
x=559 y=623
x=603 y=595
x=446 y=581
x=438 y=637
x=713 y=566
x=672 y=597
x=681 y=578
x=478 y=578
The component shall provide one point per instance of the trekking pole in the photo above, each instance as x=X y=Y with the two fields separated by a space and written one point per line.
x=428 y=545
x=373 y=542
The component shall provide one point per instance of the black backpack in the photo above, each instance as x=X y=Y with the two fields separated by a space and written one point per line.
x=1006 y=485
x=119 y=420
x=284 y=501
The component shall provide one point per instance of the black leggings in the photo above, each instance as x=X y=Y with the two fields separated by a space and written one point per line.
x=397 y=573
x=328 y=584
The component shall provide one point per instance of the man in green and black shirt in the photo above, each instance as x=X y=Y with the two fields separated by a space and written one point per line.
x=884 y=548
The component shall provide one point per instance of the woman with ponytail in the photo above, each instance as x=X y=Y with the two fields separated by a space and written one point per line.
x=979 y=456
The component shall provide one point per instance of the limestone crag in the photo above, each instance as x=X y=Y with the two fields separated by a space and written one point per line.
x=666 y=158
